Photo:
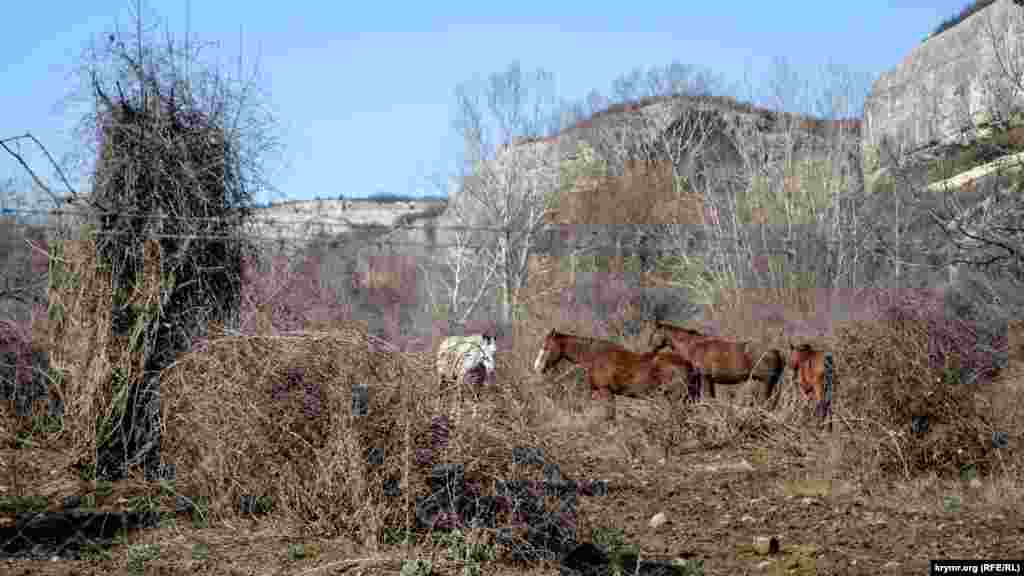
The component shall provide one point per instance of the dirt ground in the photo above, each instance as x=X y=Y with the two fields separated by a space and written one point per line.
x=716 y=503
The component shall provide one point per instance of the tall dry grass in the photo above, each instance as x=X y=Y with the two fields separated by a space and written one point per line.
x=272 y=416
x=918 y=390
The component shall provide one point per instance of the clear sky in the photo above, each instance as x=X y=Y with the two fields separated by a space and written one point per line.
x=364 y=90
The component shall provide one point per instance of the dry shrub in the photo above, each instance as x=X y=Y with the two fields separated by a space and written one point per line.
x=906 y=391
x=644 y=194
x=93 y=364
x=911 y=374
x=272 y=416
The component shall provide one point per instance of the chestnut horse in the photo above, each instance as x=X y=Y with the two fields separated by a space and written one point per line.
x=612 y=369
x=721 y=361
x=814 y=373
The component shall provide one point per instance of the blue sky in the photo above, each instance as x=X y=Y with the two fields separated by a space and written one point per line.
x=364 y=90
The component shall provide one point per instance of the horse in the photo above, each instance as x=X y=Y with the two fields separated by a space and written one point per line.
x=814 y=374
x=465 y=360
x=721 y=361
x=613 y=370
x=670 y=336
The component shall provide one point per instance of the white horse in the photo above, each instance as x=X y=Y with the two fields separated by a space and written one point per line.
x=466 y=360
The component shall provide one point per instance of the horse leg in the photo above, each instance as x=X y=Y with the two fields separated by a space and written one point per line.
x=596 y=391
x=440 y=393
x=707 y=386
x=693 y=383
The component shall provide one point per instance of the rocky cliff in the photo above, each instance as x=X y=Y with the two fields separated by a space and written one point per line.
x=949 y=89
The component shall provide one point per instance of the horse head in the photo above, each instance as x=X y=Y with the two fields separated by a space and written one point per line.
x=659 y=339
x=550 y=353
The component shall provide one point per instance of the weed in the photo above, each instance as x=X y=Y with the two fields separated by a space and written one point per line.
x=688 y=567
x=40 y=426
x=968 y=472
x=417 y=567
x=200 y=512
x=139 y=555
x=20 y=504
x=104 y=488
x=142 y=504
x=398 y=536
x=620 y=554
x=93 y=552
x=86 y=471
x=264 y=505
x=469 y=553
x=200 y=552
x=303 y=551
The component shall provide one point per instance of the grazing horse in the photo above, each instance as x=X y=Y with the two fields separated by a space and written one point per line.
x=721 y=361
x=614 y=370
x=814 y=373
x=465 y=360
x=673 y=337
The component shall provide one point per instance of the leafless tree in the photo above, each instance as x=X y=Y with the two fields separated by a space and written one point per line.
x=508 y=176
x=752 y=170
x=179 y=150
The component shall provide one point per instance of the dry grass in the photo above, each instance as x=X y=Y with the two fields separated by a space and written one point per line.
x=272 y=416
x=644 y=194
x=904 y=404
x=92 y=367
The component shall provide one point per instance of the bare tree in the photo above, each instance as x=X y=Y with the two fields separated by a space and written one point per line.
x=504 y=191
x=776 y=188
x=178 y=155
x=456 y=281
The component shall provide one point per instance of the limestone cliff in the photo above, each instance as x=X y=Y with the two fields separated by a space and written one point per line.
x=947 y=88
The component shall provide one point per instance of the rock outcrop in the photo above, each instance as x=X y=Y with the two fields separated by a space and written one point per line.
x=946 y=90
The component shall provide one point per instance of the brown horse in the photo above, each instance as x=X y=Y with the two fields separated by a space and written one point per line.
x=814 y=373
x=673 y=337
x=614 y=370
x=721 y=361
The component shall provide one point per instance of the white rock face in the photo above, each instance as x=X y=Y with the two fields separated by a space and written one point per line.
x=946 y=83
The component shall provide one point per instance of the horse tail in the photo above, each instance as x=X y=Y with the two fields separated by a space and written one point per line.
x=779 y=368
x=829 y=386
x=829 y=377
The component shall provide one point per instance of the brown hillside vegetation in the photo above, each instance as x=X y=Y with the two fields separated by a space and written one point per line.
x=644 y=194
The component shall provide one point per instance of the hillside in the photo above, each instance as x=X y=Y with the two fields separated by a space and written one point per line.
x=304 y=218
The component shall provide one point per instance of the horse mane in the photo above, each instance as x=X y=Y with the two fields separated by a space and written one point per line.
x=587 y=339
x=690 y=331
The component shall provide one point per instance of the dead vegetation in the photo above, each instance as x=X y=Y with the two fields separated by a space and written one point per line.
x=272 y=417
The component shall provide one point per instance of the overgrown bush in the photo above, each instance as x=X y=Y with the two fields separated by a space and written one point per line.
x=908 y=383
x=177 y=164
